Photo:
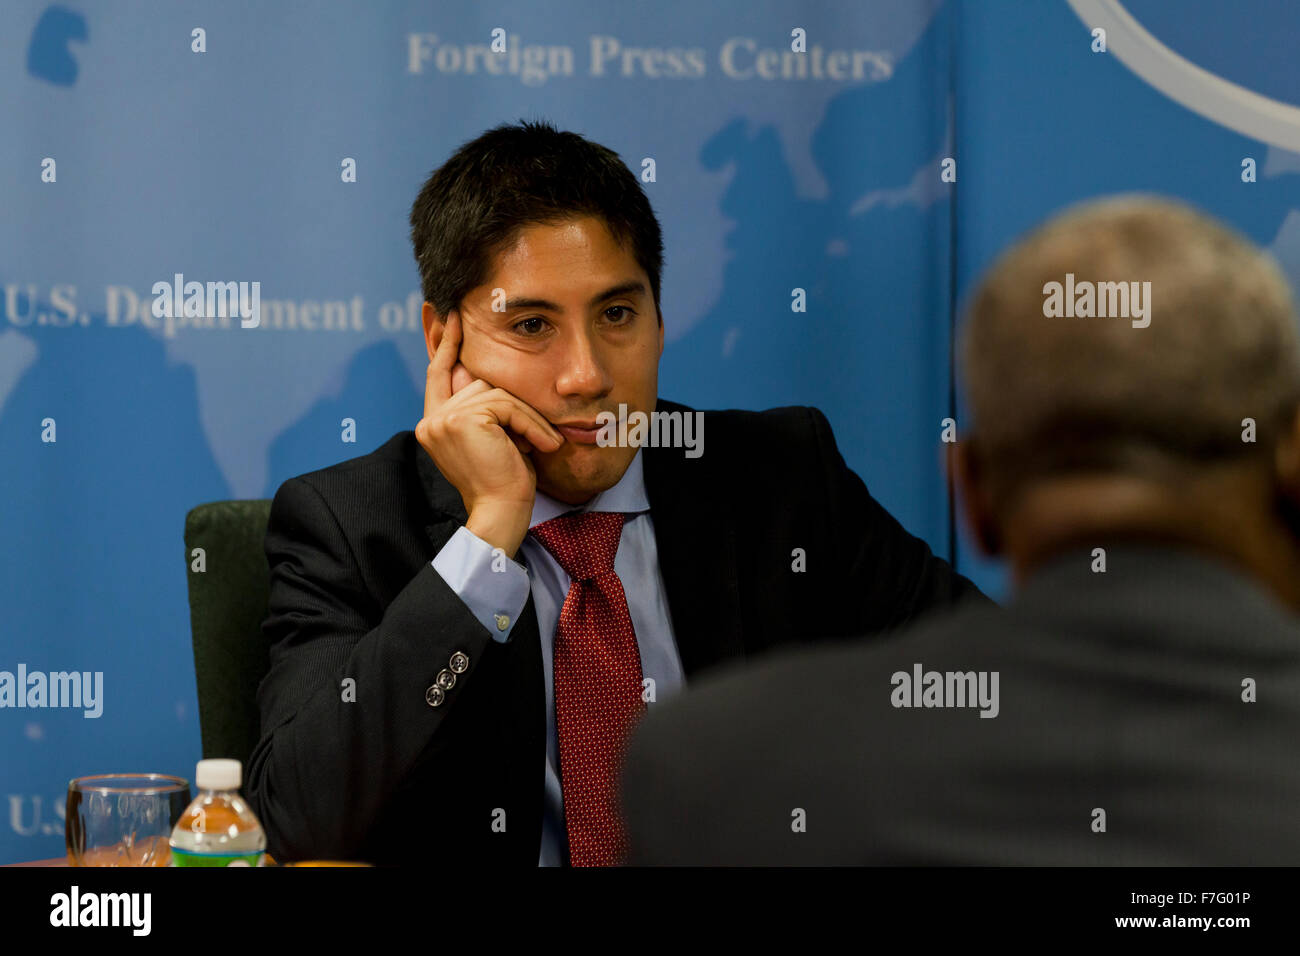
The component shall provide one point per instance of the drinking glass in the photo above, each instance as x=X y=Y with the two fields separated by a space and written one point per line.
x=123 y=819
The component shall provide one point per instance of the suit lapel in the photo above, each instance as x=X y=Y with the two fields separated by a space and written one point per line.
x=695 y=537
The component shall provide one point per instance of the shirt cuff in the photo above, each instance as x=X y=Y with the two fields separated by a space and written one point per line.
x=492 y=586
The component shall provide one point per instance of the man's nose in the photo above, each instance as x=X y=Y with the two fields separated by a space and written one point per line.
x=582 y=369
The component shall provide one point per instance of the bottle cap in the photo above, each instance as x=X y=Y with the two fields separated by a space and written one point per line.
x=218 y=774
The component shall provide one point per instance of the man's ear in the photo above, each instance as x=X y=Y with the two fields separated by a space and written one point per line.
x=968 y=472
x=661 y=332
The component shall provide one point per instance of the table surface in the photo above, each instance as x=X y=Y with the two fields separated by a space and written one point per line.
x=63 y=861
x=57 y=861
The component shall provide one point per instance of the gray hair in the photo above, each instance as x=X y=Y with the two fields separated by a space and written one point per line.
x=1051 y=394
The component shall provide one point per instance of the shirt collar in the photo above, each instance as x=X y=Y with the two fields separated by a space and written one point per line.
x=628 y=495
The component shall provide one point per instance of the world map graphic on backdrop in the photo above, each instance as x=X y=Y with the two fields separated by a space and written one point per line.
x=153 y=419
x=225 y=166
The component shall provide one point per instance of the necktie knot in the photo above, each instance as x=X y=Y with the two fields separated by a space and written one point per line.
x=583 y=544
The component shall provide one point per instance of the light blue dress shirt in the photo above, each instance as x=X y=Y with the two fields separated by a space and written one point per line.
x=496 y=597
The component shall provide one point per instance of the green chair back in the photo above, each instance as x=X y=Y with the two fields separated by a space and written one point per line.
x=228 y=602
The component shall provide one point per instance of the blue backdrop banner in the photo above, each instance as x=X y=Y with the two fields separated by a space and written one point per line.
x=826 y=213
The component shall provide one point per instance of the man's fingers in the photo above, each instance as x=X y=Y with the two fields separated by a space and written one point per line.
x=451 y=336
x=461 y=377
x=475 y=387
x=438 y=384
x=540 y=427
x=525 y=426
x=523 y=419
x=433 y=396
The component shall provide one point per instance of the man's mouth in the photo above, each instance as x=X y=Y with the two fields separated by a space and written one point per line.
x=579 y=432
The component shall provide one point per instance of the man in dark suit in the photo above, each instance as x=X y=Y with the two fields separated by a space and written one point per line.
x=465 y=623
x=1138 y=702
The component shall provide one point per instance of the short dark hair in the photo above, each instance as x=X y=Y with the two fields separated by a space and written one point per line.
x=1051 y=395
x=512 y=176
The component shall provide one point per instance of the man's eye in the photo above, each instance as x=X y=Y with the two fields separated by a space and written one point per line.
x=620 y=319
x=535 y=325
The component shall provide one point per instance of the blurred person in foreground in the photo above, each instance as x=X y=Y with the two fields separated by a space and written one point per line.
x=1138 y=701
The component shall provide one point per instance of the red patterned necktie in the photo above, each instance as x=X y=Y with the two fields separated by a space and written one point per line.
x=597 y=682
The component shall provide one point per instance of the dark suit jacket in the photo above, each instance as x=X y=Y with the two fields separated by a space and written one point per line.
x=389 y=778
x=1120 y=691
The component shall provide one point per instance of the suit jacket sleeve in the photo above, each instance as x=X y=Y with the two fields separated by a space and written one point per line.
x=325 y=764
x=890 y=573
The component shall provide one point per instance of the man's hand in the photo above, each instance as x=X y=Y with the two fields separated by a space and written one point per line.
x=480 y=437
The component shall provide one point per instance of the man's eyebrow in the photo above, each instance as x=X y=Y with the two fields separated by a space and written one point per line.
x=623 y=288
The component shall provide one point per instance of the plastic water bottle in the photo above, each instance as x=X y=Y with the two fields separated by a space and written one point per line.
x=218 y=828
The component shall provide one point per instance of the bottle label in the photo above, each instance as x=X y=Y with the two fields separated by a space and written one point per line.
x=186 y=858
